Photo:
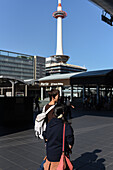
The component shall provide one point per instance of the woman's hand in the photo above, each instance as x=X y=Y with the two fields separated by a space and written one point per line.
x=70 y=147
x=72 y=106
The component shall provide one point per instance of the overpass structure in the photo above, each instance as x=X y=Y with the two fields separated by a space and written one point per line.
x=107 y=6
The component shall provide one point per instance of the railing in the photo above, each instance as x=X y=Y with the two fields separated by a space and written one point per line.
x=14 y=54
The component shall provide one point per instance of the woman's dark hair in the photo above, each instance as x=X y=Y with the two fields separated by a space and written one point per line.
x=53 y=93
x=58 y=110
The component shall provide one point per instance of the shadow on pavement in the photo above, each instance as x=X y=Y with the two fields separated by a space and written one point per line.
x=89 y=161
x=80 y=112
x=6 y=130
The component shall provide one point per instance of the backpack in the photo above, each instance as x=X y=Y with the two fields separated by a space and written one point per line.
x=40 y=123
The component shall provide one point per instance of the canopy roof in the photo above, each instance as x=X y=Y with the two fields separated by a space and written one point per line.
x=58 y=76
x=5 y=81
x=104 y=77
x=105 y=4
x=31 y=81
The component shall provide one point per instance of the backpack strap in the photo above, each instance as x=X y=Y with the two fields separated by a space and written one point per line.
x=42 y=115
x=63 y=138
x=50 y=109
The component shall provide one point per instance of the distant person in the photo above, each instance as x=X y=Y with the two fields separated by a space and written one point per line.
x=85 y=102
x=37 y=107
x=54 y=139
x=69 y=106
x=61 y=100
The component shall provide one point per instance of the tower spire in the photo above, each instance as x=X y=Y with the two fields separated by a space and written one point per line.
x=59 y=1
x=59 y=15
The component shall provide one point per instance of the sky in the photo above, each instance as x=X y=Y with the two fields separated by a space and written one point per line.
x=27 y=26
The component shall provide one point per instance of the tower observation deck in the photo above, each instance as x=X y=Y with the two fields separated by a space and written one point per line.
x=59 y=15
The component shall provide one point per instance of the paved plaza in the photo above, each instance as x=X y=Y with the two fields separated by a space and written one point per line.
x=93 y=148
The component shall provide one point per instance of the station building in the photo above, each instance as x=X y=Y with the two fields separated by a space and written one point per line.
x=19 y=73
x=21 y=66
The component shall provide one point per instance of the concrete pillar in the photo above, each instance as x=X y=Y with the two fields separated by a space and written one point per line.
x=2 y=91
x=97 y=94
x=71 y=93
x=26 y=90
x=42 y=93
x=12 y=88
x=83 y=93
x=60 y=89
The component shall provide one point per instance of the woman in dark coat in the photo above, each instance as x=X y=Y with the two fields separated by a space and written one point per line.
x=54 y=138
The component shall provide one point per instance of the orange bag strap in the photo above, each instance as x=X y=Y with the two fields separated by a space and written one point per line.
x=63 y=138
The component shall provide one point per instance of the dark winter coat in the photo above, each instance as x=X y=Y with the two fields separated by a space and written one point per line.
x=54 y=136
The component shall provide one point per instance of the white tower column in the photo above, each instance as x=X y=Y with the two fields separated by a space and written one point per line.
x=59 y=15
x=59 y=50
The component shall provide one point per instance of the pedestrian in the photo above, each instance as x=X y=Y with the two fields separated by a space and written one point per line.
x=69 y=106
x=54 y=138
x=37 y=107
x=46 y=115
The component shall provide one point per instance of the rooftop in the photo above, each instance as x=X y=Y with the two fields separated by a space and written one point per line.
x=77 y=75
x=14 y=54
x=58 y=76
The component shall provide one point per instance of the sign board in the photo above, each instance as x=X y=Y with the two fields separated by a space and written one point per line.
x=51 y=84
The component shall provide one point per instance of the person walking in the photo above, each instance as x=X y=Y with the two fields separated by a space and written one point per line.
x=46 y=115
x=37 y=107
x=54 y=138
x=69 y=106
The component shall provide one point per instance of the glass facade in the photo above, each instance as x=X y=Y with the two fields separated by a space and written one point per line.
x=40 y=68
x=21 y=66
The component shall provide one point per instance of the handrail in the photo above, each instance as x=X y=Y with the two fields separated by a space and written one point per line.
x=16 y=53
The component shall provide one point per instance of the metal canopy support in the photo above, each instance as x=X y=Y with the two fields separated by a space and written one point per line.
x=13 y=90
x=2 y=91
x=83 y=93
x=26 y=90
x=71 y=93
x=42 y=93
x=97 y=94
x=60 y=89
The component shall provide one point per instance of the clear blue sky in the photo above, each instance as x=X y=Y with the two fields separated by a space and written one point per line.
x=27 y=26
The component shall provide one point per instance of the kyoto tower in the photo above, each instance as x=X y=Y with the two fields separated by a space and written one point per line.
x=59 y=15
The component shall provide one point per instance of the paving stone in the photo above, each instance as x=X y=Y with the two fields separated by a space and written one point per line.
x=93 y=148
x=110 y=167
